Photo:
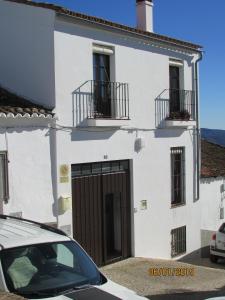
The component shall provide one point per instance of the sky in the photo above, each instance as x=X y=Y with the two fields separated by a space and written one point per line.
x=198 y=21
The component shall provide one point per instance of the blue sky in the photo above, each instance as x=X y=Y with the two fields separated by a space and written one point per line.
x=199 y=21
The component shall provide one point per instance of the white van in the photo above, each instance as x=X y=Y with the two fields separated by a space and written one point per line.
x=41 y=262
x=217 y=245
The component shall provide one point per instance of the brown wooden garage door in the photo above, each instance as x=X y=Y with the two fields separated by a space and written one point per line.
x=101 y=210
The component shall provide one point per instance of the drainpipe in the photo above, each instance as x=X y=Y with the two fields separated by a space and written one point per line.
x=197 y=126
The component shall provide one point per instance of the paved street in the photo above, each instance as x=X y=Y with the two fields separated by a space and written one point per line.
x=189 y=295
x=7 y=296
x=208 y=279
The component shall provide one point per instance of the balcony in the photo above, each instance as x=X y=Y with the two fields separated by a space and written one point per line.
x=175 y=109
x=101 y=104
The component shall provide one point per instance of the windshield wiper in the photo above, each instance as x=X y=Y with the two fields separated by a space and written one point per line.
x=53 y=292
x=76 y=288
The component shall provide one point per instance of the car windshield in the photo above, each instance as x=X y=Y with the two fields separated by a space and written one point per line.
x=49 y=268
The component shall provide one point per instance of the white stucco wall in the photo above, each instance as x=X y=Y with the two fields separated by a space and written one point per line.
x=146 y=69
x=48 y=69
x=212 y=200
x=27 y=51
x=31 y=174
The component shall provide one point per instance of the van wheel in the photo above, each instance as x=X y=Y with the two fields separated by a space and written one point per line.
x=213 y=258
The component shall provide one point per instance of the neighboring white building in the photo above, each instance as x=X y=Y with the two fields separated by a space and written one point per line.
x=117 y=165
x=27 y=154
x=212 y=191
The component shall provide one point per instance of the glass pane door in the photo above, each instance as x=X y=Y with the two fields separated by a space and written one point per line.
x=102 y=85
x=174 y=89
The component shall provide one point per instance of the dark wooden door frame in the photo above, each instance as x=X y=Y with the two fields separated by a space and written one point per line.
x=118 y=182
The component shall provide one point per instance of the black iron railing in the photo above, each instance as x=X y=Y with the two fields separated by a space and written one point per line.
x=174 y=104
x=109 y=100
x=100 y=100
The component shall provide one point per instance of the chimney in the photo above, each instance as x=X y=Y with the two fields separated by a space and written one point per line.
x=145 y=15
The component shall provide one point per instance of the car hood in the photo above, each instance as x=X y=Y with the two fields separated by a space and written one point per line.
x=216 y=298
x=107 y=291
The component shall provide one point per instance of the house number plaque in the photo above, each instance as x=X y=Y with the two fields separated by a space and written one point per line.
x=64 y=173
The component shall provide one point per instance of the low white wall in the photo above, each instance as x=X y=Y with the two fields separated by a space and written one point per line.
x=31 y=174
x=212 y=210
x=212 y=200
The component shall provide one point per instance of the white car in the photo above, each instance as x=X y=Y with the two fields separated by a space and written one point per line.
x=217 y=245
x=40 y=262
x=216 y=298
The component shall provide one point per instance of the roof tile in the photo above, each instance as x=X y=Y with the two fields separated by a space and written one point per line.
x=11 y=103
x=153 y=36
x=213 y=160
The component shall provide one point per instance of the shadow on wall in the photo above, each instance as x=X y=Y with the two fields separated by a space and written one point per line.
x=82 y=101
x=6 y=130
x=162 y=108
x=52 y=140
x=209 y=180
x=70 y=29
x=203 y=252
x=160 y=133
x=87 y=134
x=191 y=257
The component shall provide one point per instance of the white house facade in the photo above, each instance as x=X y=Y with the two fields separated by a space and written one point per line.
x=115 y=162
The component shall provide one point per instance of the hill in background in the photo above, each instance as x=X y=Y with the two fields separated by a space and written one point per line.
x=215 y=136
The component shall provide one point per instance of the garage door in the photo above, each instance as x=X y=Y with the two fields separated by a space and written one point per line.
x=101 y=210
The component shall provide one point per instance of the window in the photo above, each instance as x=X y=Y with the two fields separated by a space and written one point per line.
x=4 y=189
x=102 y=86
x=178 y=241
x=177 y=105
x=64 y=256
x=177 y=176
x=175 y=102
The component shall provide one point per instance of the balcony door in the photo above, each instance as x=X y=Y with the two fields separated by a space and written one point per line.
x=175 y=89
x=102 y=86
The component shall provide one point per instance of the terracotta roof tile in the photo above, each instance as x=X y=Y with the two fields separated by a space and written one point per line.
x=213 y=160
x=151 y=35
x=11 y=103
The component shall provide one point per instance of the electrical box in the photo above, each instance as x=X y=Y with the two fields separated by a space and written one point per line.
x=144 y=205
x=65 y=203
